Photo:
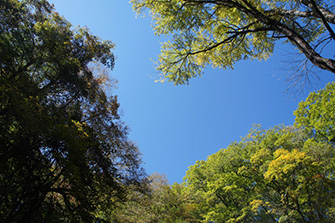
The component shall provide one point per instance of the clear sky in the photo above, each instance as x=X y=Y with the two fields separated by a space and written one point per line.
x=174 y=126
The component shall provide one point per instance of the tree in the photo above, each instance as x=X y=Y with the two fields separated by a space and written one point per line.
x=284 y=174
x=64 y=151
x=161 y=202
x=278 y=175
x=317 y=114
x=222 y=32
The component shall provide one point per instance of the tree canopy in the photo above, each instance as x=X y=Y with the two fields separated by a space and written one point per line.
x=278 y=175
x=162 y=203
x=222 y=32
x=64 y=151
x=65 y=155
x=284 y=174
x=317 y=114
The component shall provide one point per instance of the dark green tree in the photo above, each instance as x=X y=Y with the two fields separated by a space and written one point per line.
x=64 y=152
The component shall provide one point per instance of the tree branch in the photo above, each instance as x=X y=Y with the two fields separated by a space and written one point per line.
x=229 y=39
x=276 y=25
x=295 y=38
x=317 y=10
x=328 y=16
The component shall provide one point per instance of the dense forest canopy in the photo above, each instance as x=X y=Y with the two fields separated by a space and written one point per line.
x=65 y=155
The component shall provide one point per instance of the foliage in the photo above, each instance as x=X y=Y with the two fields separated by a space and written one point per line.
x=278 y=175
x=317 y=113
x=284 y=174
x=161 y=202
x=65 y=155
x=222 y=32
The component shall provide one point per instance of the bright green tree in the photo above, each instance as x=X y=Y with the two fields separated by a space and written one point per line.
x=278 y=175
x=64 y=152
x=222 y=32
x=284 y=174
x=317 y=114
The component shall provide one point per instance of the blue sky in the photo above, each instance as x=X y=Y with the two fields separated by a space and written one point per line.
x=174 y=126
